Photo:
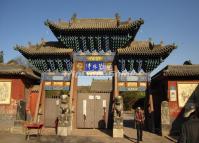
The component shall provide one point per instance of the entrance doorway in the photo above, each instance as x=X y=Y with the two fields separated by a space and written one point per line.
x=93 y=103
x=92 y=110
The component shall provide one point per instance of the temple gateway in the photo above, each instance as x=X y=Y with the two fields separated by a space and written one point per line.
x=90 y=47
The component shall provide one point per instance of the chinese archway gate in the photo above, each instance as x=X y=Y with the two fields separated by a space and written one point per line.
x=93 y=47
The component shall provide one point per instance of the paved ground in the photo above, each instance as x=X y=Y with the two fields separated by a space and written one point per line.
x=86 y=136
x=128 y=138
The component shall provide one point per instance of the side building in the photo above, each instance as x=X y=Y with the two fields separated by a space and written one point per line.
x=16 y=82
x=172 y=89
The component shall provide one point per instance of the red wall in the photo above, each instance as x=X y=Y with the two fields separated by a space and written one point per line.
x=17 y=93
x=18 y=89
x=173 y=105
x=33 y=102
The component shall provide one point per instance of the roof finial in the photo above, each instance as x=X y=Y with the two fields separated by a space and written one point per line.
x=74 y=17
x=129 y=20
x=69 y=23
x=117 y=17
x=29 y=43
x=161 y=43
x=188 y=62
x=42 y=41
x=151 y=41
x=46 y=22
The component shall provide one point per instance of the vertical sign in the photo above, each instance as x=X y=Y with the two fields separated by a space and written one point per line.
x=104 y=103
x=173 y=96
x=84 y=107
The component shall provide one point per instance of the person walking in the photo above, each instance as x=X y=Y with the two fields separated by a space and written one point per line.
x=190 y=129
x=139 y=121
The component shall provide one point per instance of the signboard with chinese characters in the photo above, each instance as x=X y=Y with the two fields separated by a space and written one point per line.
x=142 y=84
x=132 y=78
x=5 y=92
x=95 y=58
x=58 y=83
x=94 y=66
x=131 y=84
x=56 y=76
x=48 y=83
x=121 y=84
x=94 y=73
x=132 y=89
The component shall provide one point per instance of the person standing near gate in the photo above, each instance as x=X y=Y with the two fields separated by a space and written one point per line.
x=139 y=121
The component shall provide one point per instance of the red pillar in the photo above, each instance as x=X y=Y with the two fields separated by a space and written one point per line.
x=73 y=94
x=116 y=90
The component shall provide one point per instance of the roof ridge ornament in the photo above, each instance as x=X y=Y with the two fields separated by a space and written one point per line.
x=117 y=17
x=151 y=43
x=161 y=43
x=42 y=42
x=74 y=18
x=47 y=22
x=129 y=20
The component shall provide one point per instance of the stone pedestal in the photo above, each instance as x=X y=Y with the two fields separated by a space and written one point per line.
x=62 y=131
x=118 y=133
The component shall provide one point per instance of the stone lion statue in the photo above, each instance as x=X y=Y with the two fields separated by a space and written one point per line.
x=64 y=111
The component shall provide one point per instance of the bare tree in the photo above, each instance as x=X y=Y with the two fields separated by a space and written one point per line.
x=21 y=61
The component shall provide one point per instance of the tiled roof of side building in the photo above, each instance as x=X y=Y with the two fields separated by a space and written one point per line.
x=95 y=23
x=146 y=48
x=18 y=70
x=179 y=71
x=44 y=48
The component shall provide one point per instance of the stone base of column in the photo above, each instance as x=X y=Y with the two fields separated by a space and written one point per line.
x=63 y=131
x=118 y=133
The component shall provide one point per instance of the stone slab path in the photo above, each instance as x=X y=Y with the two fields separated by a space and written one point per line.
x=86 y=136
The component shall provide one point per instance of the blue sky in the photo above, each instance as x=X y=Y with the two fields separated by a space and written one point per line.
x=170 y=21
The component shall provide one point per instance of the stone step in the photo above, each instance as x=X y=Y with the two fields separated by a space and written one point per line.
x=17 y=130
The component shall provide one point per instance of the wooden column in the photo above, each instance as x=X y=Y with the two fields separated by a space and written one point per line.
x=116 y=90
x=73 y=95
x=38 y=102
x=151 y=102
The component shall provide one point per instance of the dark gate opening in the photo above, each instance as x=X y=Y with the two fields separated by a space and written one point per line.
x=133 y=99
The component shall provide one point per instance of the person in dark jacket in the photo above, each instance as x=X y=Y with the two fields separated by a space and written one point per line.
x=139 y=120
x=190 y=129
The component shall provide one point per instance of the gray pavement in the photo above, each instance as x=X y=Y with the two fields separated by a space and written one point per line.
x=8 y=138
x=86 y=136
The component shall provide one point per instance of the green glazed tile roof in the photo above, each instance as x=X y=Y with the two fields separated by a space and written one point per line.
x=142 y=48
x=44 y=48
